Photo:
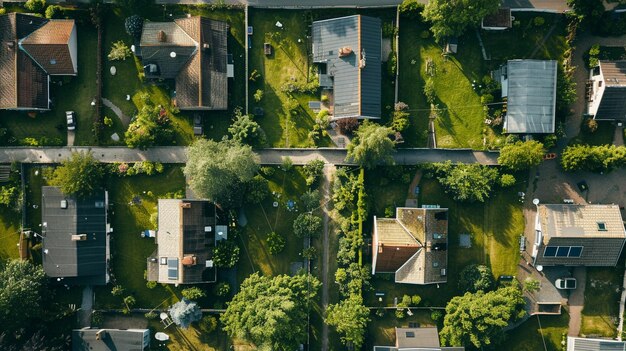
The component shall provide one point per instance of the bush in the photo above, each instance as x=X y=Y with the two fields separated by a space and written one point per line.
x=275 y=243
x=54 y=11
x=347 y=125
x=193 y=293
x=151 y=284
x=415 y=300
x=150 y=315
x=119 y=51
x=309 y=253
x=307 y=225
x=400 y=121
x=267 y=171
x=486 y=99
x=507 y=180
x=97 y=318
x=3 y=11
x=436 y=315
x=222 y=289
x=313 y=171
x=400 y=313
x=36 y=6
x=208 y=324
x=531 y=284
x=429 y=91
x=539 y=21
x=133 y=26
x=392 y=64
x=476 y=277
x=287 y=164
x=592 y=125
x=324 y=99
x=108 y=121
x=411 y=8
x=117 y=290
x=258 y=95
x=424 y=34
x=226 y=254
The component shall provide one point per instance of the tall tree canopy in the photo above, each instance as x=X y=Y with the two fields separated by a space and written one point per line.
x=476 y=277
x=271 y=312
x=465 y=182
x=371 y=145
x=219 y=171
x=478 y=318
x=521 y=155
x=81 y=175
x=452 y=17
x=22 y=285
x=350 y=318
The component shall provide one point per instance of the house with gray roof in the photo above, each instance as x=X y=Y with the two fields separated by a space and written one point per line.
x=578 y=235
x=584 y=344
x=97 y=339
x=348 y=52
x=529 y=87
x=413 y=246
x=33 y=50
x=188 y=230
x=417 y=339
x=607 y=91
x=193 y=52
x=76 y=248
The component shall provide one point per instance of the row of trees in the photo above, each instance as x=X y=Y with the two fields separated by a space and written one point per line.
x=593 y=158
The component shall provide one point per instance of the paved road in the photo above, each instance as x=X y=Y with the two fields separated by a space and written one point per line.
x=176 y=154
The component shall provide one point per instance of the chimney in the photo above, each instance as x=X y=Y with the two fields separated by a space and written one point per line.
x=185 y=205
x=345 y=51
x=161 y=36
x=79 y=237
x=206 y=46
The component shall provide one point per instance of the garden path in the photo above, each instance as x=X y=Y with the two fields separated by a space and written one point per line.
x=125 y=119
x=329 y=172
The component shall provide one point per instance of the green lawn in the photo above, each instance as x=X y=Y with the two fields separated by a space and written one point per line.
x=602 y=295
x=460 y=122
x=117 y=127
x=381 y=330
x=9 y=234
x=128 y=249
x=532 y=334
x=388 y=188
x=602 y=136
x=494 y=227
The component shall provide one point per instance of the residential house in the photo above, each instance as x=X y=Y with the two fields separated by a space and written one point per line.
x=33 y=50
x=348 y=52
x=529 y=88
x=578 y=235
x=75 y=233
x=97 y=339
x=417 y=339
x=607 y=91
x=413 y=246
x=584 y=344
x=187 y=233
x=193 y=52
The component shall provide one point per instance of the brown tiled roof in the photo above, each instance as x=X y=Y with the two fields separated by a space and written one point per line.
x=32 y=84
x=49 y=46
x=8 y=92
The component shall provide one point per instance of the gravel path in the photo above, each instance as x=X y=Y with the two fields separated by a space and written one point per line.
x=125 y=119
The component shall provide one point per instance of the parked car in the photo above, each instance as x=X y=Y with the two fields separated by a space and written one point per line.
x=71 y=120
x=565 y=283
x=197 y=124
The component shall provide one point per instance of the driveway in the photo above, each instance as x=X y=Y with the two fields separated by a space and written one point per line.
x=576 y=301
x=71 y=135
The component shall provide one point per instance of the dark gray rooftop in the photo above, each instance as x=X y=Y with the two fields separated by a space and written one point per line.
x=356 y=76
x=110 y=340
x=613 y=103
x=78 y=261
x=583 y=344
x=531 y=96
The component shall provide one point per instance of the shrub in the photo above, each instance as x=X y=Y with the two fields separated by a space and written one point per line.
x=347 y=125
x=108 y=121
x=400 y=313
x=193 y=293
x=222 y=289
x=429 y=91
x=267 y=171
x=507 y=180
x=436 y=315
x=531 y=284
x=400 y=121
x=208 y=324
x=539 y=21
x=3 y=11
x=258 y=95
x=226 y=254
x=275 y=243
x=411 y=8
x=117 y=290
x=592 y=125
x=54 y=11
x=97 y=318
x=324 y=99
x=415 y=300
x=309 y=253
x=35 y=5
x=150 y=315
x=287 y=164
x=151 y=284
x=119 y=51
x=392 y=64
x=424 y=34
x=307 y=225
x=486 y=99
x=133 y=26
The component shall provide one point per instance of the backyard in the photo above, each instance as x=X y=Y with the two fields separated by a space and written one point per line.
x=539 y=333
x=602 y=295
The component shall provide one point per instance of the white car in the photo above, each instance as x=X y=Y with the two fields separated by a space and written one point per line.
x=71 y=120
x=565 y=283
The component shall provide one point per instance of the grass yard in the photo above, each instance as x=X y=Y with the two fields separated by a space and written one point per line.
x=494 y=228
x=9 y=234
x=388 y=188
x=129 y=251
x=539 y=333
x=602 y=294
x=381 y=330
x=461 y=117
x=117 y=127
x=602 y=136
x=531 y=41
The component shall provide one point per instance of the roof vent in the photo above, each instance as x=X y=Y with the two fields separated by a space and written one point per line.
x=185 y=205
x=206 y=46
x=161 y=36
x=345 y=51
x=173 y=54
x=101 y=334
x=79 y=237
x=53 y=61
x=10 y=44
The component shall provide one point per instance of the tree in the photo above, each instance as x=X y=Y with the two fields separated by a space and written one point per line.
x=307 y=225
x=271 y=312
x=593 y=158
x=9 y=195
x=193 y=293
x=531 y=284
x=22 y=286
x=465 y=182
x=149 y=126
x=450 y=18
x=226 y=254
x=208 y=324
x=36 y=6
x=275 y=243
x=133 y=26
x=507 y=180
x=411 y=8
x=257 y=190
x=350 y=318
x=119 y=51
x=244 y=129
x=521 y=155
x=371 y=146
x=478 y=318
x=54 y=11
x=185 y=312
x=81 y=175
x=476 y=277
x=219 y=171
x=313 y=171
x=222 y=289
x=400 y=117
